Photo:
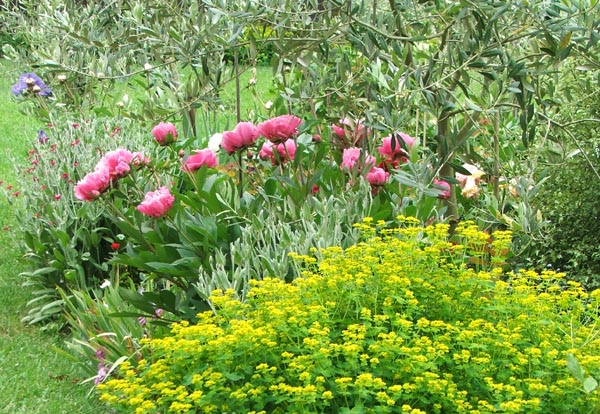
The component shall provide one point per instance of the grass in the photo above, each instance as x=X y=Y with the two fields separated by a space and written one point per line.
x=34 y=376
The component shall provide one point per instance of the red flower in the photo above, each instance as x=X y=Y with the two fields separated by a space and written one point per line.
x=115 y=246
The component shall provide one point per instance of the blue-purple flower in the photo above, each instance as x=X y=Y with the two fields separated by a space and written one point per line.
x=30 y=82
x=42 y=137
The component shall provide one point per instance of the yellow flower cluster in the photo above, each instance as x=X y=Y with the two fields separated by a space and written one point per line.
x=402 y=322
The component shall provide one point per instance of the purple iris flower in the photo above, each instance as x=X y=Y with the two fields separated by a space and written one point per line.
x=31 y=82
x=42 y=137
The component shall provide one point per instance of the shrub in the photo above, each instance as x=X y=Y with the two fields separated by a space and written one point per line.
x=570 y=202
x=397 y=323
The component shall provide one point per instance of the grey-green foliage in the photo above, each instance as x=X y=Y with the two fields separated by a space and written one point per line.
x=264 y=244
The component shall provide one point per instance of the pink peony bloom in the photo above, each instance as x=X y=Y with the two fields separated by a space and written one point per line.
x=164 y=133
x=377 y=176
x=279 y=129
x=393 y=150
x=349 y=133
x=352 y=156
x=92 y=185
x=285 y=151
x=201 y=157
x=243 y=135
x=156 y=203
x=444 y=188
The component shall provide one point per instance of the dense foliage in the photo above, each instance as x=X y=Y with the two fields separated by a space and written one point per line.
x=568 y=198
x=397 y=323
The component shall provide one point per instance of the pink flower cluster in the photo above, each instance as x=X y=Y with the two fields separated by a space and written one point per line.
x=113 y=165
x=392 y=151
x=349 y=133
x=278 y=153
x=356 y=159
x=276 y=130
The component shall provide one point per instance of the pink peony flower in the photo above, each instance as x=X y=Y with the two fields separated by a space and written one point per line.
x=377 y=176
x=444 y=188
x=116 y=163
x=201 y=157
x=285 y=151
x=92 y=185
x=243 y=135
x=393 y=150
x=164 y=133
x=352 y=156
x=349 y=133
x=280 y=128
x=156 y=203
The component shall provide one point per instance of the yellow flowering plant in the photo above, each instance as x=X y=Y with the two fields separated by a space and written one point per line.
x=402 y=322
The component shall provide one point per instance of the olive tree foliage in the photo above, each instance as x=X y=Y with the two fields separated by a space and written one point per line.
x=474 y=81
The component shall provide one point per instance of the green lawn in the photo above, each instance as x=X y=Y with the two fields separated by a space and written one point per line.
x=34 y=377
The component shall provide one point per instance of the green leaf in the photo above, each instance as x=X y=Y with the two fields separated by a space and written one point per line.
x=574 y=367
x=590 y=384
x=472 y=106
